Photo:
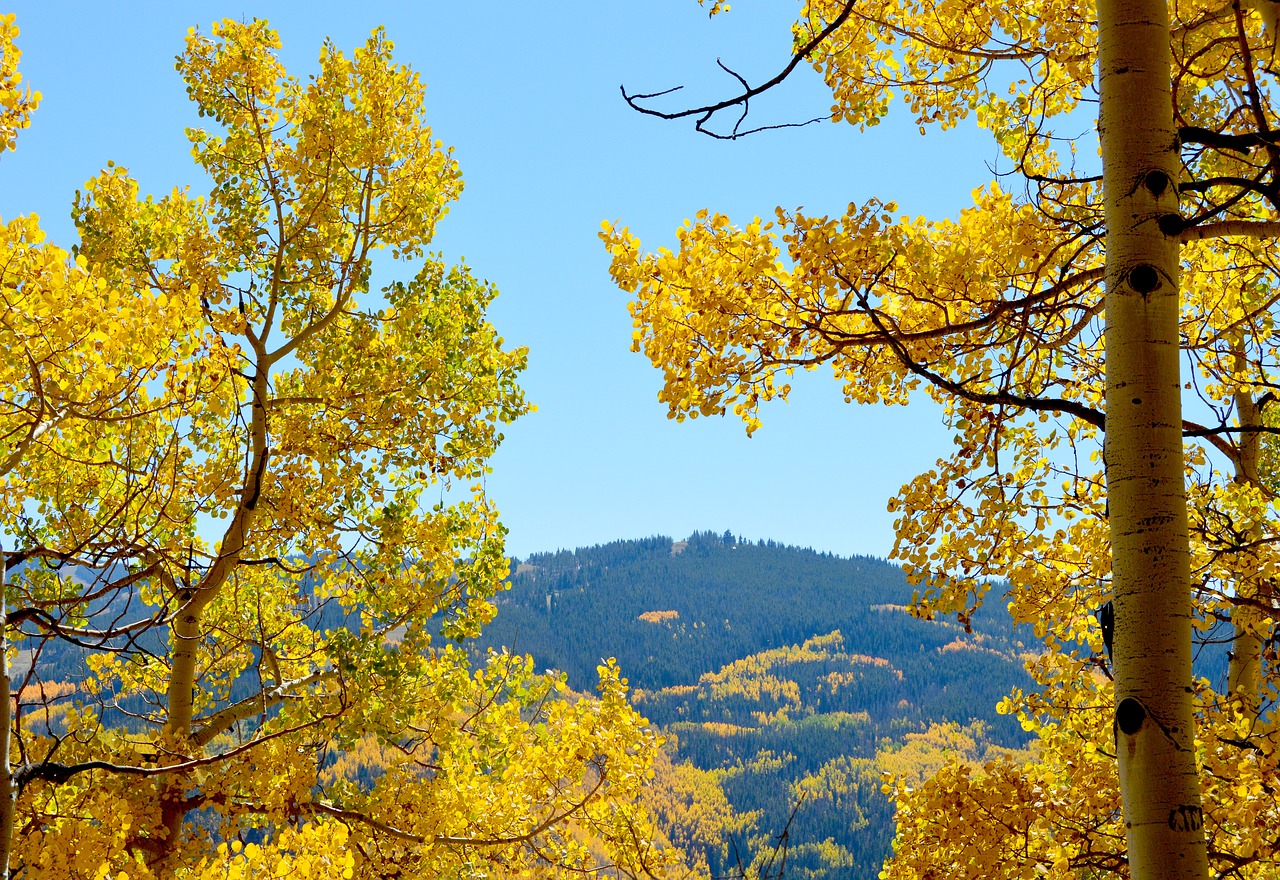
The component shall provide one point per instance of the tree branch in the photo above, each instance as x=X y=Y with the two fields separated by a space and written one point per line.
x=552 y=818
x=257 y=704
x=707 y=111
x=48 y=623
x=1250 y=228
x=1005 y=398
x=1240 y=143
x=57 y=772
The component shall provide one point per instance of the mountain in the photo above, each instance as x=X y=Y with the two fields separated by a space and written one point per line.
x=786 y=681
x=789 y=679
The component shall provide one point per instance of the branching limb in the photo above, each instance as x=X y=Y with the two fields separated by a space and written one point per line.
x=49 y=624
x=1260 y=229
x=57 y=772
x=706 y=112
x=551 y=819
x=254 y=705
x=986 y=398
x=1240 y=143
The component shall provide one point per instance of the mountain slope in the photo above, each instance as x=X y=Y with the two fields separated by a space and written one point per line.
x=793 y=678
x=571 y=609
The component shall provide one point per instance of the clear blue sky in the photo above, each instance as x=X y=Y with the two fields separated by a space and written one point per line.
x=528 y=95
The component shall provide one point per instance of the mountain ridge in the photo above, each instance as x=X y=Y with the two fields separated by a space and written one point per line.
x=786 y=680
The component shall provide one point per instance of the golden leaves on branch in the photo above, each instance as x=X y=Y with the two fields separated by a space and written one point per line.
x=248 y=491
x=997 y=315
x=16 y=102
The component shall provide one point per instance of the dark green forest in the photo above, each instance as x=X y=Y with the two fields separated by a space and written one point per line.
x=796 y=677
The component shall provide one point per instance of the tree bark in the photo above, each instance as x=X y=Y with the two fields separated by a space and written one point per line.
x=8 y=792
x=1245 y=666
x=185 y=631
x=1154 y=723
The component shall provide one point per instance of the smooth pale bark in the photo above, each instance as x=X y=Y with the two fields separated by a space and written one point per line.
x=8 y=793
x=1245 y=665
x=186 y=627
x=1155 y=727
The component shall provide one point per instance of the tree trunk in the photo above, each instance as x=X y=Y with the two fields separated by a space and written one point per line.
x=1154 y=724
x=8 y=792
x=1245 y=665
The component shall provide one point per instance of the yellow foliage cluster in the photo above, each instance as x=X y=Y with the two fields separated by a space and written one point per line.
x=760 y=678
x=16 y=102
x=919 y=756
x=722 y=728
x=221 y=449
x=311 y=852
x=691 y=810
x=998 y=315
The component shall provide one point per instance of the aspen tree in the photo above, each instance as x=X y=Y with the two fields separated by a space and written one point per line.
x=223 y=468
x=1150 y=545
x=1077 y=478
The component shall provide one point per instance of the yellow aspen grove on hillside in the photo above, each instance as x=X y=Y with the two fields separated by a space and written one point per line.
x=1104 y=351
x=227 y=554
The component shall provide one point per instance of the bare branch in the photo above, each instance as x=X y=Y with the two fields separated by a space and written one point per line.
x=706 y=112
x=49 y=624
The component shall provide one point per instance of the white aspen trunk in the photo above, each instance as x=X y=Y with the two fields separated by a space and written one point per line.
x=8 y=793
x=185 y=629
x=1245 y=666
x=1154 y=723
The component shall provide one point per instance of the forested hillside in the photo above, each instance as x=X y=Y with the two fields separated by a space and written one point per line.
x=730 y=599
x=791 y=679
